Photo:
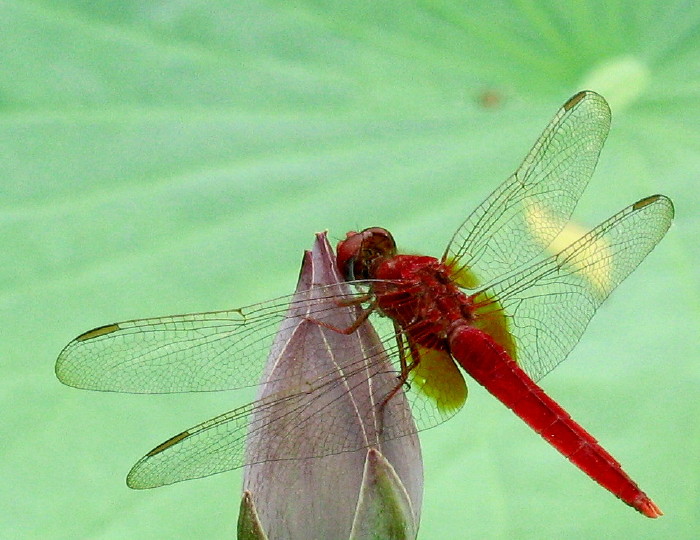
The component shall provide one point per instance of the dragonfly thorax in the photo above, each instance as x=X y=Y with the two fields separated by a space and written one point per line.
x=420 y=295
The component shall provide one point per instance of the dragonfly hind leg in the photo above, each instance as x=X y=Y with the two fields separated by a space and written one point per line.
x=405 y=368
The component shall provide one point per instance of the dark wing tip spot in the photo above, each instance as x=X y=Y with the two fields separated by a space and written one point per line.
x=646 y=201
x=99 y=331
x=574 y=100
x=167 y=444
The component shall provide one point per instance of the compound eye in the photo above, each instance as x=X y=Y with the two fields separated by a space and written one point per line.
x=358 y=253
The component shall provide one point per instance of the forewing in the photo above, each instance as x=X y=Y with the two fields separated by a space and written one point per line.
x=508 y=230
x=218 y=350
x=549 y=304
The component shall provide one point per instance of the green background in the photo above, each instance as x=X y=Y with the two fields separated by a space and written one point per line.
x=168 y=157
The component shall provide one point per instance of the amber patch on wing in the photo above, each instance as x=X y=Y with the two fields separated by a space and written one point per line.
x=438 y=378
x=489 y=317
x=462 y=276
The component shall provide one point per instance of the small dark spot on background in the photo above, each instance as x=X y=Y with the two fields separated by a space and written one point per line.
x=490 y=99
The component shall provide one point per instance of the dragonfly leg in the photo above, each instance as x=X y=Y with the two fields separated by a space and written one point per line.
x=356 y=323
x=406 y=368
x=356 y=301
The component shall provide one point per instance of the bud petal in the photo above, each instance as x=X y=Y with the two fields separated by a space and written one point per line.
x=301 y=496
x=384 y=509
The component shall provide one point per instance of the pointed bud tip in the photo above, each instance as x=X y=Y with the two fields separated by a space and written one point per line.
x=249 y=526
x=384 y=507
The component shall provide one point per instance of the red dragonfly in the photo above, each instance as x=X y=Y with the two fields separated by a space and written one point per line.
x=497 y=303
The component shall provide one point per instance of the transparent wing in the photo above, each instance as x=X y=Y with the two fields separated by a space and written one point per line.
x=325 y=403
x=319 y=389
x=326 y=385
x=219 y=350
x=549 y=304
x=313 y=379
x=507 y=230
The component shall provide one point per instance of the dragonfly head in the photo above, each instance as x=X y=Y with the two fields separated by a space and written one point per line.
x=358 y=255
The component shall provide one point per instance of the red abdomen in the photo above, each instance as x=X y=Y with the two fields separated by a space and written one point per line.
x=435 y=313
x=491 y=367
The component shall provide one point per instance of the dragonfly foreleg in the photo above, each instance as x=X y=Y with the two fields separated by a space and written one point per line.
x=364 y=314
